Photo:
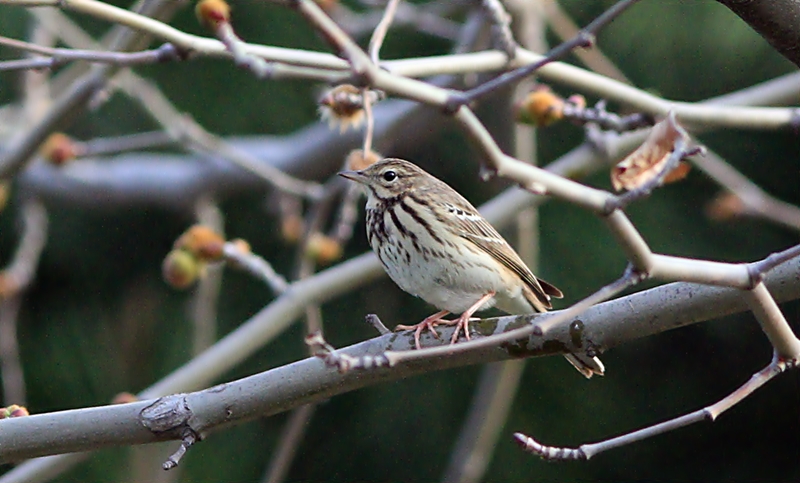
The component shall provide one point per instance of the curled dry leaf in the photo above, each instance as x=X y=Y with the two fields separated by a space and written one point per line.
x=649 y=159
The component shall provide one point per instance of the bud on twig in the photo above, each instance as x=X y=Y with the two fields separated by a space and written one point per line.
x=212 y=13
x=59 y=148
x=202 y=242
x=323 y=249
x=181 y=269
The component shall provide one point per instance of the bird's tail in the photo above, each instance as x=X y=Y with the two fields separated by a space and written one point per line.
x=588 y=366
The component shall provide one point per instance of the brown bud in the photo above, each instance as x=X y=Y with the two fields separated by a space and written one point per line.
x=725 y=206
x=242 y=245
x=180 y=268
x=8 y=285
x=327 y=5
x=202 y=242
x=13 y=411
x=357 y=161
x=541 y=107
x=124 y=398
x=323 y=249
x=212 y=13
x=577 y=100
x=292 y=228
x=59 y=148
x=18 y=411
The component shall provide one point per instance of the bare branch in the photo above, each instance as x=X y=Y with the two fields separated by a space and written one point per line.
x=585 y=38
x=586 y=451
x=605 y=325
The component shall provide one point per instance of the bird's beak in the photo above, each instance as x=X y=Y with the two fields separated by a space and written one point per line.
x=356 y=176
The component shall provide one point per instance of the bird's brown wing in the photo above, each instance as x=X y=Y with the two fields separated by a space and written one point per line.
x=473 y=227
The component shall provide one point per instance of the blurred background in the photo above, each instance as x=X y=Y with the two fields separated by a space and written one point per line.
x=99 y=319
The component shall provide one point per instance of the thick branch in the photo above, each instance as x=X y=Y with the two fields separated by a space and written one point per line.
x=778 y=21
x=309 y=380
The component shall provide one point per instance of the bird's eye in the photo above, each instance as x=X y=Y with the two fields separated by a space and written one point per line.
x=390 y=175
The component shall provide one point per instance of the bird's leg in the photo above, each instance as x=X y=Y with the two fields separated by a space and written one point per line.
x=429 y=323
x=462 y=323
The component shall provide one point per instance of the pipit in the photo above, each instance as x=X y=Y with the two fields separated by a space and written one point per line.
x=435 y=245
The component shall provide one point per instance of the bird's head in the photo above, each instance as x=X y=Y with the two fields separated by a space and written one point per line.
x=389 y=178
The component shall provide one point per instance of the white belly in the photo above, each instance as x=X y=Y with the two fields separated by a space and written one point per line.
x=449 y=281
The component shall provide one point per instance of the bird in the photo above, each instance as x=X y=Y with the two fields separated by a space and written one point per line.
x=436 y=246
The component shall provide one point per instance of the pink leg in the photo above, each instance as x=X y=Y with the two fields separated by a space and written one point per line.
x=429 y=323
x=462 y=323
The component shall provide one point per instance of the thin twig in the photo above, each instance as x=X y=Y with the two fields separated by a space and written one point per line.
x=13 y=377
x=755 y=201
x=369 y=119
x=57 y=57
x=491 y=403
x=586 y=451
x=376 y=41
x=375 y=44
x=126 y=143
x=563 y=26
x=773 y=323
x=255 y=265
x=585 y=38
x=348 y=214
x=19 y=273
x=14 y=279
x=290 y=439
x=760 y=268
x=430 y=18
x=501 y=26
x=241 y=57
x=206 y=295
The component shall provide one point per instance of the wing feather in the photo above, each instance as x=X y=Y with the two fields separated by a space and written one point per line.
x=473 y=227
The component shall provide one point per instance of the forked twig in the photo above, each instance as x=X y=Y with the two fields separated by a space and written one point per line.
x=586 y=451
x=585 y=38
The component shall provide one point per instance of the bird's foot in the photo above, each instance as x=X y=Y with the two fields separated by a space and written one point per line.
x=429 y=323
x=462 y=323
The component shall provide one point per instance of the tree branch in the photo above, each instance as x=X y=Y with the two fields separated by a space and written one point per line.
x=607 y=325
x=778 y=21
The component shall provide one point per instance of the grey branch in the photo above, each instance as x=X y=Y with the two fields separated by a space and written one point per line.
x=310 y=380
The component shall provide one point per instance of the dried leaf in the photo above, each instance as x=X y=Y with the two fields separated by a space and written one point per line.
x=649 y=159
x=679 y=173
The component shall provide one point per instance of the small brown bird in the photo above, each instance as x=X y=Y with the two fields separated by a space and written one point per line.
x=435 y=245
